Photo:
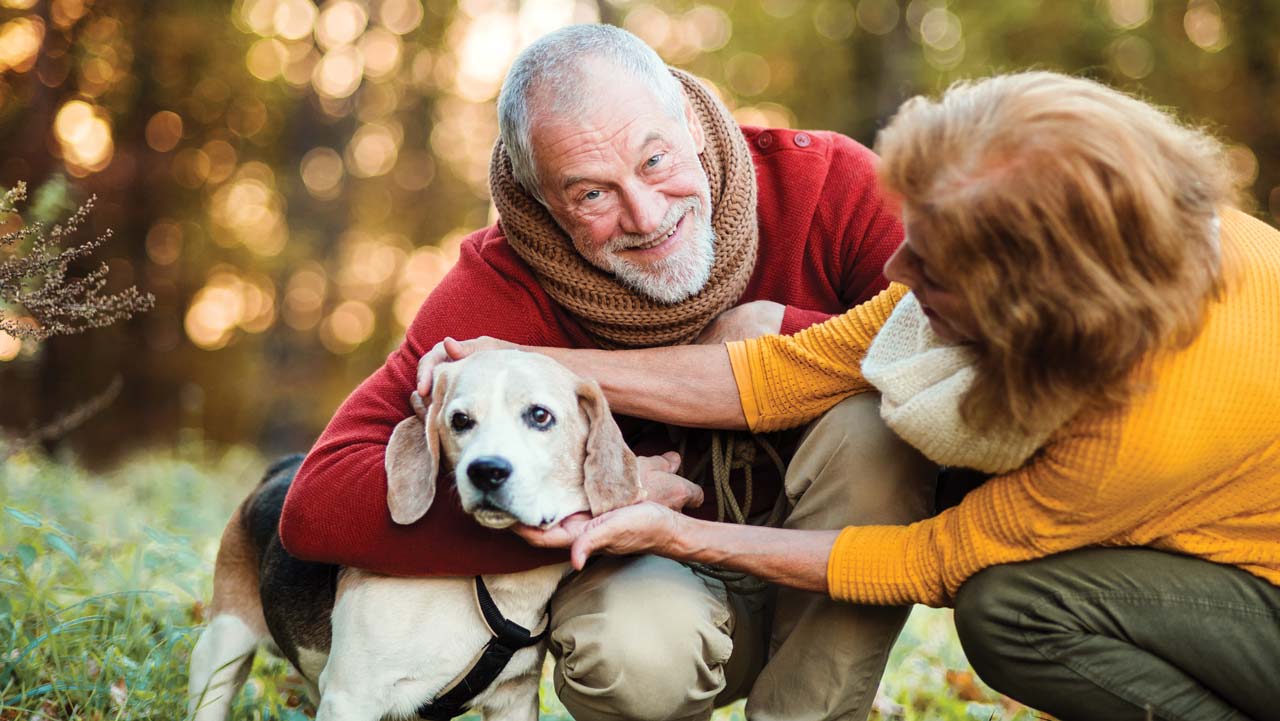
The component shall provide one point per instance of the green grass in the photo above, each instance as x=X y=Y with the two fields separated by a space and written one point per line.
x=103 y=579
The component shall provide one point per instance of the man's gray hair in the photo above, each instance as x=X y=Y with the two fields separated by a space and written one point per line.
x=551 y=72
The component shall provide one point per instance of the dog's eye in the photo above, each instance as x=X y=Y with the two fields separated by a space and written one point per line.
x=539 y=417
x=460 y=421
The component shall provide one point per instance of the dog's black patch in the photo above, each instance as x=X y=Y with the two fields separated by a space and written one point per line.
x=297 y=596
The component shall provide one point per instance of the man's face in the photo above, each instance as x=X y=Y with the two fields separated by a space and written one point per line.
x=625 y=183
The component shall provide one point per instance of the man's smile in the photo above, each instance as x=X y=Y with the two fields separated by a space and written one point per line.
x=661 y=245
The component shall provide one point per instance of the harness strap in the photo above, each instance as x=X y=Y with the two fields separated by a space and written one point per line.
x=508 y=637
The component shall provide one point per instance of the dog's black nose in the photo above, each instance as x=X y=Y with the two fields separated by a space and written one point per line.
x=489 y=472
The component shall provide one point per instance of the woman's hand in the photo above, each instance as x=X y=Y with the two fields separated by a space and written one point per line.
x=661 y=487
x=640 y=528
x=452 y=350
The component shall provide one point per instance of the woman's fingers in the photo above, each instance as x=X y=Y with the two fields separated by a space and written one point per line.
x=640 y=528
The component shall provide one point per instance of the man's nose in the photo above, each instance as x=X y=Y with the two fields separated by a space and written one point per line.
x=644 y=210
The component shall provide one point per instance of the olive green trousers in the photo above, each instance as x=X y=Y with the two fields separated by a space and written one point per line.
x=1126 y=633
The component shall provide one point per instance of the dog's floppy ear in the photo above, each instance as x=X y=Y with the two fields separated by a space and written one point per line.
x=413 y=457
x=610 y=477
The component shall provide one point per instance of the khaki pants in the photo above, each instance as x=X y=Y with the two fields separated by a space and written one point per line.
x=646 y=638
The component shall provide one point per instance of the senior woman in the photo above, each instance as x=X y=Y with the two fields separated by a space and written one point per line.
x=1078 y=310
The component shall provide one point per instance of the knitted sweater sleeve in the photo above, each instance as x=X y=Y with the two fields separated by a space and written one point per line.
x=1066 y=498
x=787 y=381
x=336 y=510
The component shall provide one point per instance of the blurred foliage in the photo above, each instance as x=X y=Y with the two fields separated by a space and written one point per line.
x=290 y=179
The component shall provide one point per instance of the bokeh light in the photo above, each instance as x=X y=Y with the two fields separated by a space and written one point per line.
x=164 y=131
x=9 y=347
x=381 y=52
x=878 y=17
x=940 y=29
x=1203 y=23
x=1129 y=14
x=485 y=48
x=835 y=19
x=215 y=310
x=424 y=270
x=84 y=137
x=349 y=325
x=248 y=211
x=1133 y=57
x=222 y=160
x=748 y=74
x=20 y=41
x=66 y=13
x=267 y=58
x=373 y=149
x=340 y=23
x=322 y=172
x=304 y=296
x=164 y=242
x=400 y=16
x=339 y=72
x=229 y=300
x=294 y=19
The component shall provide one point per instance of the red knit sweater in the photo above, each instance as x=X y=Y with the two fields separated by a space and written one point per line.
x=825 y=234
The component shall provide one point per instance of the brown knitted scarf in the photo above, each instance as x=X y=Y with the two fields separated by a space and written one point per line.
x=614 y=315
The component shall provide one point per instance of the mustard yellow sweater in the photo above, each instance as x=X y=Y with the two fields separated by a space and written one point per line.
x=1190 y=465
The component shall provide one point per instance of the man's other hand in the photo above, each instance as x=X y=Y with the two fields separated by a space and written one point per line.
x=661 y=485
x=452 y=350
x=749 y=320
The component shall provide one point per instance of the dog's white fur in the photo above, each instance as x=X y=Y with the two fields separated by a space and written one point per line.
x=398 y=642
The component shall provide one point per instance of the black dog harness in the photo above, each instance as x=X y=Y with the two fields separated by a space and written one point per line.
x=508 y=637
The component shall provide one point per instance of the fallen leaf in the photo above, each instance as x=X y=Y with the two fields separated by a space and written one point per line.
x=965 y=685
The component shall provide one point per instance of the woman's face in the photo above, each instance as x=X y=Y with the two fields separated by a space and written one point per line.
x=948 y=313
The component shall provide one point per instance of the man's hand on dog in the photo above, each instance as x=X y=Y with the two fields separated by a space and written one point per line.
x=660 y=484
x=452 y=350
x=662 y=488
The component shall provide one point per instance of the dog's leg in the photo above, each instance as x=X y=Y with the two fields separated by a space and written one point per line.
x=515 y=699
x=222 y=657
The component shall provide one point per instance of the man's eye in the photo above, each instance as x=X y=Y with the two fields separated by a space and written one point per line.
x=654 y=160
x=460 y=421
x=592 y=195
x=539 y=417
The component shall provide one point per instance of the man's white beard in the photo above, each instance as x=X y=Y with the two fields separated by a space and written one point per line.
x=679 y=275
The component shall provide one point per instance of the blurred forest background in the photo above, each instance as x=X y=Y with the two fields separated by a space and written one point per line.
x=290 y=179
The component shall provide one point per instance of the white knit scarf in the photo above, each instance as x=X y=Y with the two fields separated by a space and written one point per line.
x=922 y=380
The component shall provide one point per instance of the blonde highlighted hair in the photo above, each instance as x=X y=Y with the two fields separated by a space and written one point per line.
x=1077 y=222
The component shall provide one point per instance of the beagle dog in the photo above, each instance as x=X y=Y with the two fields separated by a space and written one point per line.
x=529 y=443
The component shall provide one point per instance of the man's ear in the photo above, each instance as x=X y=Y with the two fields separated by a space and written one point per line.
x=695 y=126
x=413 y=456
x=610 y=476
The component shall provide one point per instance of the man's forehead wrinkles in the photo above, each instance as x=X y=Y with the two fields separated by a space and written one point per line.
x=578 y=150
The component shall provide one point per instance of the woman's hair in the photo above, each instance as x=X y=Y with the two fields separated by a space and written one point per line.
x=1077 y=222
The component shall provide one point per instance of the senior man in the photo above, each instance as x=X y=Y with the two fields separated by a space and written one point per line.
x=634 y=212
